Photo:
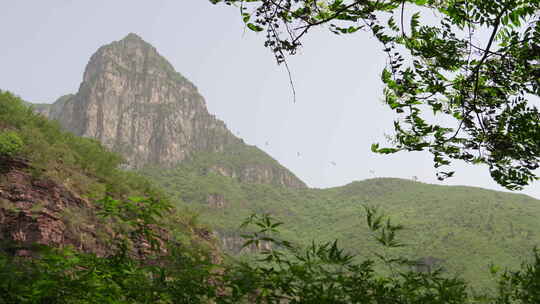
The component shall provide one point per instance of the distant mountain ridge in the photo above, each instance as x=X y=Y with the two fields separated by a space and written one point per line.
x=133 y=101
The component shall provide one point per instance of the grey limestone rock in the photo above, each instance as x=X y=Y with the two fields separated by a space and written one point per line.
x=134 y=102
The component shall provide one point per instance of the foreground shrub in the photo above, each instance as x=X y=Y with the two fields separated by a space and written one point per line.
x=10 y=143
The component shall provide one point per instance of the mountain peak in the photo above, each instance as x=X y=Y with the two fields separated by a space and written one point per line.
x=134 y=102
x=131 y=56
x=134 y=40
x=132 y=37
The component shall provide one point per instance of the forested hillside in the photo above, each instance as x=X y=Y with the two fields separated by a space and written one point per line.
x=466 y=228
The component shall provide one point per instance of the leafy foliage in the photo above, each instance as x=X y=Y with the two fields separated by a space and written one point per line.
x=10 y=143
x=521 y=286
x=454 y=97
x=325 y=273
x=67 y=276
x=139 y=214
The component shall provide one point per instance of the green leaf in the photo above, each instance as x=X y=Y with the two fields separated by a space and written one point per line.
x=387 y=150
x=254 y=27
x=386 y=76
x=246 y=17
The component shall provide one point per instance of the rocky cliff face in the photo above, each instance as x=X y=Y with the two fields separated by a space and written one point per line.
x=41 y=211
x=134 y=102
x=232 y=242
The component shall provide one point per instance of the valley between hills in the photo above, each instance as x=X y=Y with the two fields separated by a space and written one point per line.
x=134 y=103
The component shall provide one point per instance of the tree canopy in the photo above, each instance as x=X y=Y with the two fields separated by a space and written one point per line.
x=465 y=87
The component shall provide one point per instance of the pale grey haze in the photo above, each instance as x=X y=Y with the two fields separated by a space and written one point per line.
x=324 y=137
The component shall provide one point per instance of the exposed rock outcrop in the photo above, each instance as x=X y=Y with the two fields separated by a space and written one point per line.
x=134 y=102
x=428 y=264
x=259 y=174
x=216 y=200
x=235 y=243
x=40 y=211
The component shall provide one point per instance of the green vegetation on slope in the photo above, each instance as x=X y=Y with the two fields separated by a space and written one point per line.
x=467 y=228
x=243 y=163
x=321 y=273
x=81 y=165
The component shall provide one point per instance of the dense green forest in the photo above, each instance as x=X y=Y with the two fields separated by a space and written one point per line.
x=465 y=227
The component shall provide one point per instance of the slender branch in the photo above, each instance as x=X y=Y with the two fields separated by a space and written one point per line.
x=488 y=47
x=286 y=66
x=488 y=51
x=290 y=80
x=301 y=34
x=402 y=11
x=479 y=66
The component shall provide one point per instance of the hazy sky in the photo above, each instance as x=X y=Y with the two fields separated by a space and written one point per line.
x=45 y=46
